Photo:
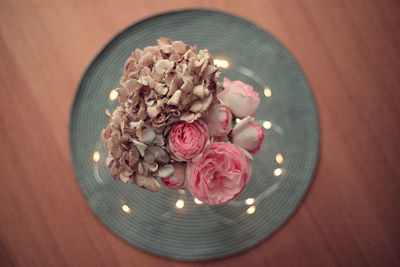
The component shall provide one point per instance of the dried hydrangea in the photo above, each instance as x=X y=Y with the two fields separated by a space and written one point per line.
x=161 y=85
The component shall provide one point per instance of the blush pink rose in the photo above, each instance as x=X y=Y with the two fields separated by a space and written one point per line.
x=187 y=140
x=240 y=98
x=219 y=120
x=220 y=174
x=248 y=135
x=178 y=178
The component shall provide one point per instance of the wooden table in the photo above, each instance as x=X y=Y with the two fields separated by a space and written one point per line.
x=350 y=52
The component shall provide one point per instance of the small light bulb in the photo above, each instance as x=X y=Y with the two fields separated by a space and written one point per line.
x=197 y=201
x=126 y=209
x=251 y=210
x=249 y=201
x=96 y=156
x=267 y=92
x=113 y=94
x=180 y=203
x=267 y=125
x=221 y=63
x=279 y=158
x=277 y=171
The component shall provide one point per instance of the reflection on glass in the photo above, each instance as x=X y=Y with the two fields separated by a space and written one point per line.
x=113 y=94
x=251 y=210
x=96 y=156
x=249 y=201
x=180 y=203
x=221 y=63
x=277 y=171
x=251 y=74
x=126 y=209
x=181 y=191
x=267 y=92
x=197 y=201
x=279 y=158
x=267 y=125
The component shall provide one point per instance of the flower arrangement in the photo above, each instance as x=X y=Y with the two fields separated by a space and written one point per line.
x=178 y=124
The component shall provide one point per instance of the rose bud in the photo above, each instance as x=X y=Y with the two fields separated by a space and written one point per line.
x=219 y=120
x=220 y=174
x=178 y=178
x=240 y=98
x=248 y=135
x=187 y=140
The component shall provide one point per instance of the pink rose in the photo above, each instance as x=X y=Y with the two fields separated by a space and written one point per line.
x=248 y=135
x=240 y=98
x=178 y=178
x=219 y=120
x=187 y=140
x=220 y=174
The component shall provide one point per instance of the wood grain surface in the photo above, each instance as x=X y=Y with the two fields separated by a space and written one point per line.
x=349 y=51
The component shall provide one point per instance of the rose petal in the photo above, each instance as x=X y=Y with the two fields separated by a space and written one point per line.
x=178 y=178
x=248 y=135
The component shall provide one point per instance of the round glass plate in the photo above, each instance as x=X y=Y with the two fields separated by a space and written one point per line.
x=170 y=223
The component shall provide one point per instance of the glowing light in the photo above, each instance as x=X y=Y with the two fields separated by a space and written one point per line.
x=180 y=203
x=221 y=63
x=181 y=191
x=197 y=201
x=279 y=158
x=277 y=171
x=267 y=125
x=251 y=210
x=113 y=94
x=249 y=201
x=126 y=209
x=267 y=92
x=96 y=156
x=238 y=120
